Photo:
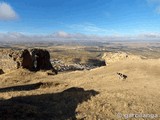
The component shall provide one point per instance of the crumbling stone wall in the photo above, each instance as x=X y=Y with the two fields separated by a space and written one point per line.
x=35 y=59
x=26 y=59
x=22 y=58
x=8 y=60
x=41 y=59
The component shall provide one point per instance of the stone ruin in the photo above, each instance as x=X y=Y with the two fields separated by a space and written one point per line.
x=34 y=60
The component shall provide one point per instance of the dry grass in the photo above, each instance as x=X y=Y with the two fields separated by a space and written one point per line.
x=94 y=94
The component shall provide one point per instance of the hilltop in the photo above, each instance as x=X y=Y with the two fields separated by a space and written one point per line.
x=90 y=94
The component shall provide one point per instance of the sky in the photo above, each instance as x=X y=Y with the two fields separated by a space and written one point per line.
x=80 y=18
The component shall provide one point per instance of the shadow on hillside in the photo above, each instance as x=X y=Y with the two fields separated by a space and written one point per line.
x=57 y=106
x=22 y=87
x=96 y=62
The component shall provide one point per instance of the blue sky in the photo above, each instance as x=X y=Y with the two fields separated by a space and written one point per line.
x=96 y=17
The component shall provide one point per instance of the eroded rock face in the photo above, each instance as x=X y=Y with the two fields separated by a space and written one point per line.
x=35 y=59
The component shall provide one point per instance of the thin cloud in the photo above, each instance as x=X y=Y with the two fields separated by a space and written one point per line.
x=61 y=34
x=7 y=12
x=158 y=9
x=156 y=4
x=153 y=1
x=89 y=28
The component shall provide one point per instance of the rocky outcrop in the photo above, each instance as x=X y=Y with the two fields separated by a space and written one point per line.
x=35 y=59
x=119 y=56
